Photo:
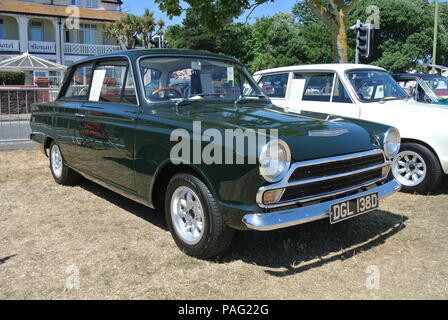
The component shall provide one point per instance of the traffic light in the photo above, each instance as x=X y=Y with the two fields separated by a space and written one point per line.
x=363 y=39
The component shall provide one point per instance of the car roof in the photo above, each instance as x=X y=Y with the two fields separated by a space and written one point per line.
x=340 y=67
x=416 y=75
x=136 y=53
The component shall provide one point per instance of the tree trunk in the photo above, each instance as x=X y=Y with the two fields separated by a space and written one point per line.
x=339 y=38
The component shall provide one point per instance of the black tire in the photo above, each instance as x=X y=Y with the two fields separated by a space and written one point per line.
x=434 y=173
x=216 y=235
x=67 y=176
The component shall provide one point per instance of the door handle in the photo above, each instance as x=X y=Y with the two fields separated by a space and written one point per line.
x=79 y=115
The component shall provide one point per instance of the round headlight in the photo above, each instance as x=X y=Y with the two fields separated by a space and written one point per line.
x=275 y=160
x=392 y=141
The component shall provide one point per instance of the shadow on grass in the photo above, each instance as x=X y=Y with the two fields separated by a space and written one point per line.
x=442 y=188
x=3 y=260
x=297 y=249
x=154 y=217
x=292 y=250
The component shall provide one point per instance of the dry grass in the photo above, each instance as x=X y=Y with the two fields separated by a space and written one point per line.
x=123 y=250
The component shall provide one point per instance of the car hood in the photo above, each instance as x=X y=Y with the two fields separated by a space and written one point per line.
x=307 y=137
x=415 y=106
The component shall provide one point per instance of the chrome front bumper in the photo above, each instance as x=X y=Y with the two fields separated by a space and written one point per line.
x=296 y=216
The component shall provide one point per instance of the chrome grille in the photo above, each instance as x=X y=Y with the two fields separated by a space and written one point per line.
x=322 y=178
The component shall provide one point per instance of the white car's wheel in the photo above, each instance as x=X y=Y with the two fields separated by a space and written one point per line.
x=417 y=169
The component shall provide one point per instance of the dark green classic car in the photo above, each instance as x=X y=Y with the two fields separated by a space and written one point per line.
x=191 y=133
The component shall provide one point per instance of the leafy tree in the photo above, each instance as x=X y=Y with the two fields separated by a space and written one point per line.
x=276 y=42
x=214 y=14
x=192 y=34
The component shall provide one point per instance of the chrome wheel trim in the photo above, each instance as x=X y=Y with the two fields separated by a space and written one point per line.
x=57 y=164
x=409 y=168
x=187 y=215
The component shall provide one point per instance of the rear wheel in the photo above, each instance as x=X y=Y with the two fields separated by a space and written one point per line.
x=417 y=169
x=194 y=219
x=61 y=173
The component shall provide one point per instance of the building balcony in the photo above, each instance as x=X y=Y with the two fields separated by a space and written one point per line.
x=88 y=49
x=9 y=45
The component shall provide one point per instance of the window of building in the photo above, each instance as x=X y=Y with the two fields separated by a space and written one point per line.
x=88 y=33
x=37 y=31
x=91 y=3
x=113 y=82
x=275 y=85
x=2 y=30
x=78 y=88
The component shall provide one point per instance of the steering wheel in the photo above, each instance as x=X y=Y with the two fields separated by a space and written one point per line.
x=363 y=84
x=167 y=89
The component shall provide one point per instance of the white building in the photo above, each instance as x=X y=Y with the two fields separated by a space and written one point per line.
x=50 y=29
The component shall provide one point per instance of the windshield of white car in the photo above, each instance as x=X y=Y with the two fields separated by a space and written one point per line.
x=439 y=85
x=375 y=86
x=183 y=78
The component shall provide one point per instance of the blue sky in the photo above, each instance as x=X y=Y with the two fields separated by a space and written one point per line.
x=267 y=9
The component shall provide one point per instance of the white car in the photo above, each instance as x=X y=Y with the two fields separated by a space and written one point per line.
x=369 y=93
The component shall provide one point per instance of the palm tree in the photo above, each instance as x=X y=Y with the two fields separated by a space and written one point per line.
x=130 y=29
x=149 y=27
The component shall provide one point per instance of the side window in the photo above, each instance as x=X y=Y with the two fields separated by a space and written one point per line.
x=78 y=87
x=275 y=85
x=113 y=82
x=340 y=95
x=410 y=86
x=318 y=86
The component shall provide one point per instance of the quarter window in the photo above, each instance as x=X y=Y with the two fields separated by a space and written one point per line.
x=275 y=86
x=78 y=87
x=113 y=82
x=340 y=95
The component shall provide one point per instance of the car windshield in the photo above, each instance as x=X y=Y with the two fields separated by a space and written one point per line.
x=180 y=78
x=375 y=85
x=439 y=85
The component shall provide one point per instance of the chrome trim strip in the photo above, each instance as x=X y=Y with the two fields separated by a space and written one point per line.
x=286 y=184
x=291 y=217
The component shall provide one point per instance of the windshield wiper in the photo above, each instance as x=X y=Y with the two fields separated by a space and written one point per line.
x=245 y=99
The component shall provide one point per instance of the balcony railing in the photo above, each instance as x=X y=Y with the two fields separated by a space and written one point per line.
x=9 y=45
x=41 y=47
x=89 y=49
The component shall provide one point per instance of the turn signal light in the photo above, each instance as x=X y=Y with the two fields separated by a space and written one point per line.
x=272 y=196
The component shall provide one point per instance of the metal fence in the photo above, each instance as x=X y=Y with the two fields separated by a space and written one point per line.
x=15 y=110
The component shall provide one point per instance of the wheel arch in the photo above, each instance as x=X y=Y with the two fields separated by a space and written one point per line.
x=409 y=140
x=47 y=143
x=164 y=175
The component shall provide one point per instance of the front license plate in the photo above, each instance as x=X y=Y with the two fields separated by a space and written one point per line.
x=348 y=209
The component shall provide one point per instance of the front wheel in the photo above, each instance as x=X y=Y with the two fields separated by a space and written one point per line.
x=194 y=219
x=417 y=169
